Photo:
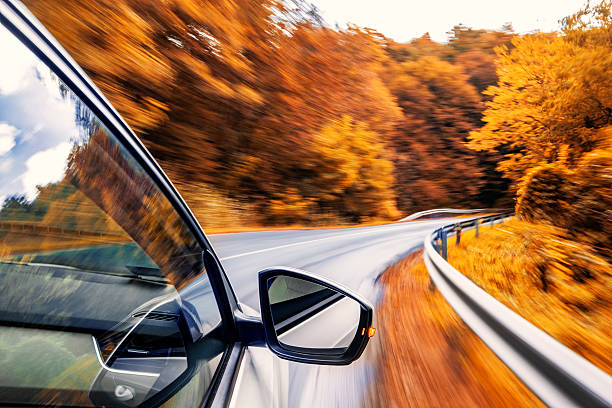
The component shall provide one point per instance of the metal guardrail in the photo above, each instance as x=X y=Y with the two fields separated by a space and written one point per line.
x=557 y=375
x=441 y=237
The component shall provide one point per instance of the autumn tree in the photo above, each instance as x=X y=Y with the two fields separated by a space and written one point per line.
x=226 y=93
x=420 y=47
x=181 y=73
x=471 y=49
x=440 y=107
x=438 y=115
x=239 y=100
x=480 y=67
x=474 y=51
x=577 y=199
x=319 y=76
x=554 y=93
x=463 y=39
x=346 y=172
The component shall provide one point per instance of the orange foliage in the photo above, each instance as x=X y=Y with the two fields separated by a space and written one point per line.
x=231 y=93
x=554 y=94
x=235 y=94
x=561 y=285
x=439 y=108
x=429 y=357
x=577 y=199
x=552 y=109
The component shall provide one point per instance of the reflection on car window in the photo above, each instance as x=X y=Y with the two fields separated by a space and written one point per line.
x=94 y=260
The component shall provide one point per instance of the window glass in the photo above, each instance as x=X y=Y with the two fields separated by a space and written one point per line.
x=98 y=273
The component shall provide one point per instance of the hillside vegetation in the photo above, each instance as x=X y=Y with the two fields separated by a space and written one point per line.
x=265 y=107
x=553 y=108
x=263 y=114
x=562 y=286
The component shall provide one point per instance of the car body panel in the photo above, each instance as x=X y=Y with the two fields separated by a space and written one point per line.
x=26 y=28
x=247 y=375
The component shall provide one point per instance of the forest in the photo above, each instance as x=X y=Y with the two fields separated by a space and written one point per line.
x=264 y=114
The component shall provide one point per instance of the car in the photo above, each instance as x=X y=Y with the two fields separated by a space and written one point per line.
x=110 y=292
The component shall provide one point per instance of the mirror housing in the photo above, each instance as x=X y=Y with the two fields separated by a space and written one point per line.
x=315 y=354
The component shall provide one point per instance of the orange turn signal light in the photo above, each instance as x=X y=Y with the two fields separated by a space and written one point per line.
x=371 y=331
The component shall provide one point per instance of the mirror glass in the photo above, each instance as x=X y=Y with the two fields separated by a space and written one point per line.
x=309 y=315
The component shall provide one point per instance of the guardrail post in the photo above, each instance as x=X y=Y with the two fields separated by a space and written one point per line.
x=476 y=227
x=444 y=247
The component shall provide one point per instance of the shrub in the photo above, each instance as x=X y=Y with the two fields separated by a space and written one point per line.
x=578 y=200
x=591 y=213
x=546 y=194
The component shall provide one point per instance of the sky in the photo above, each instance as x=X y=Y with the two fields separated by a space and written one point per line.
x=36 y=123
x=403 y=20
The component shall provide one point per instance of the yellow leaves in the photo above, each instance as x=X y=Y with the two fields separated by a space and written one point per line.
x=560 y=284
x=578 y=198
x=248 y=94
x=542 y=190
x=554 y=92
x=341 y=173
x=350 y=168
x=155 y=103
x=590 y=26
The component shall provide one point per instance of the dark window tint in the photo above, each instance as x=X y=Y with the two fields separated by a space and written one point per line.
x=102 y=285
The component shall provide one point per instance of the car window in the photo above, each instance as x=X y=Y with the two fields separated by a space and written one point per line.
x=102 y=285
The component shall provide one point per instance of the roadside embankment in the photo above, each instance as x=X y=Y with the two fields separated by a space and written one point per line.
x=429 y=357
x=562 y=286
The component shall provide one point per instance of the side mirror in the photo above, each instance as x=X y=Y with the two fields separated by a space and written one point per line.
x=309 y=319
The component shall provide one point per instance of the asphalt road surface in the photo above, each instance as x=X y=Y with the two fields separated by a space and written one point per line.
x=354 y=257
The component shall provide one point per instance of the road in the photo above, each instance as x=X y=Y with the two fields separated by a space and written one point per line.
x=354 y=257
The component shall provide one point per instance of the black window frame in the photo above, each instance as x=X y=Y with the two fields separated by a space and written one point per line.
x=25 y=27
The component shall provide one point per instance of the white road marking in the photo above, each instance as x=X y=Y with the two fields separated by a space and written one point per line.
x=299 y=243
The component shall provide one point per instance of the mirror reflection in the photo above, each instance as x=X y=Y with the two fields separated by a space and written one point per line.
x=309 y=315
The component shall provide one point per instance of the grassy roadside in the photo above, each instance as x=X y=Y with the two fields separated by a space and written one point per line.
x=219 y=214
x=255 y=228
x=559 y=285
x=429 y=357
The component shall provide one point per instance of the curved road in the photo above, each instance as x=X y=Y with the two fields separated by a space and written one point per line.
x=354 y=257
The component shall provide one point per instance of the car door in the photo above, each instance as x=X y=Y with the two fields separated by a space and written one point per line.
x=110 y=293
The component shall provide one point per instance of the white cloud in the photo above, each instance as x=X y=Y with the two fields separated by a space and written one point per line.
x=45 y=167
x=14 y=75
x=7 y=137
